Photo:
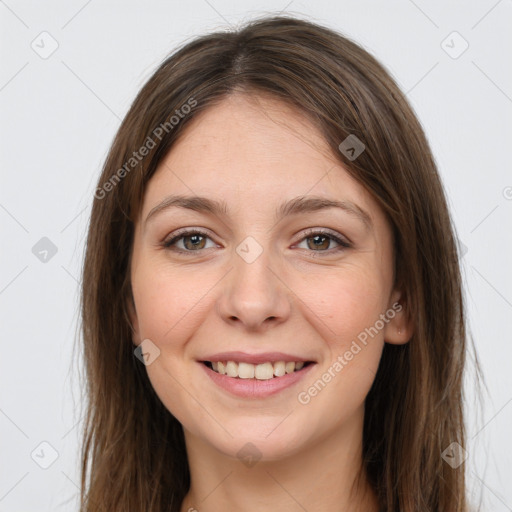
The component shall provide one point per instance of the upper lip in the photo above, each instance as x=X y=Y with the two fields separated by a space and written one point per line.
x=244 y=357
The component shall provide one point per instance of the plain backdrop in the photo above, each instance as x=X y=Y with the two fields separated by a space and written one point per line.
x=69 y=71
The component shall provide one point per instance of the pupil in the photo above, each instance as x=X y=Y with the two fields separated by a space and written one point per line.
x=195 y=239
x=317 y=239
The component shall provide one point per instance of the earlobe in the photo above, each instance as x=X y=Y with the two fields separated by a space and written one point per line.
x=134 y=321
x=399 y=328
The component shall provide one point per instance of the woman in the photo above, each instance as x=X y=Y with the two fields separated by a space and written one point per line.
x=272 y=309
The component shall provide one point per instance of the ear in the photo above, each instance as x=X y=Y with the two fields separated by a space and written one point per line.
x=134 y=321
x=400 y=328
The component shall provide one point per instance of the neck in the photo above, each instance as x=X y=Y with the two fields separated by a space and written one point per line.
x=322 y=477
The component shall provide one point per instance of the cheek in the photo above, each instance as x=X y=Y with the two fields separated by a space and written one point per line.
x=168 y=303
x=350 y=308
x=345 y=304
x=169 y=311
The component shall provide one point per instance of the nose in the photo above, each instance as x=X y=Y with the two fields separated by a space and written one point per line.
x=254 y=297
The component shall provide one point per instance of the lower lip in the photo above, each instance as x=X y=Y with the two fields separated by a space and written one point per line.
x=254 y=388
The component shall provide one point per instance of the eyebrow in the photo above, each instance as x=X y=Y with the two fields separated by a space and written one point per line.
x=297 y=205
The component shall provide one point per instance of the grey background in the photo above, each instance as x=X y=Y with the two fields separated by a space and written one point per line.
x=59 y=113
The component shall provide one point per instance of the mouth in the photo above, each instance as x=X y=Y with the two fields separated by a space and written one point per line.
x=263 y=371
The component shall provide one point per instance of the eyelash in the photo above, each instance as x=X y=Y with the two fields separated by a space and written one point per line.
x=343 y=244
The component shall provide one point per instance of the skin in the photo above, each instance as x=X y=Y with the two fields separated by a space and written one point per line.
x=254 y=152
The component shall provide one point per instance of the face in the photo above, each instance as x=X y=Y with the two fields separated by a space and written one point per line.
x=265 y=272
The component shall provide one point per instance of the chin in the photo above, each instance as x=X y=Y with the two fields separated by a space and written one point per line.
x=264 y=439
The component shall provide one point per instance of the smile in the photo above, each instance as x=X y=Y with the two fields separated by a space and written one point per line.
x=263 y=371
x=256 y=380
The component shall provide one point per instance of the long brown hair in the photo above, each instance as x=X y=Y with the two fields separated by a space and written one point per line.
x=133 y=453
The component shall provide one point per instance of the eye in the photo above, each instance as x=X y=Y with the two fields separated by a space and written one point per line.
x=192 y=241
x=319 y=240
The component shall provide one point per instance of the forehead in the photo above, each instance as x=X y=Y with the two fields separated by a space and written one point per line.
x=252 y=150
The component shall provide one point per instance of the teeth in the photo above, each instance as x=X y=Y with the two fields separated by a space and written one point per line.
x=231 y=369
x=245 y=370
x=264 y=371
x=279 y=369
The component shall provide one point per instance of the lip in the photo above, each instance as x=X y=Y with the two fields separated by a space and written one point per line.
x=244 y=357
x=253 y=388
